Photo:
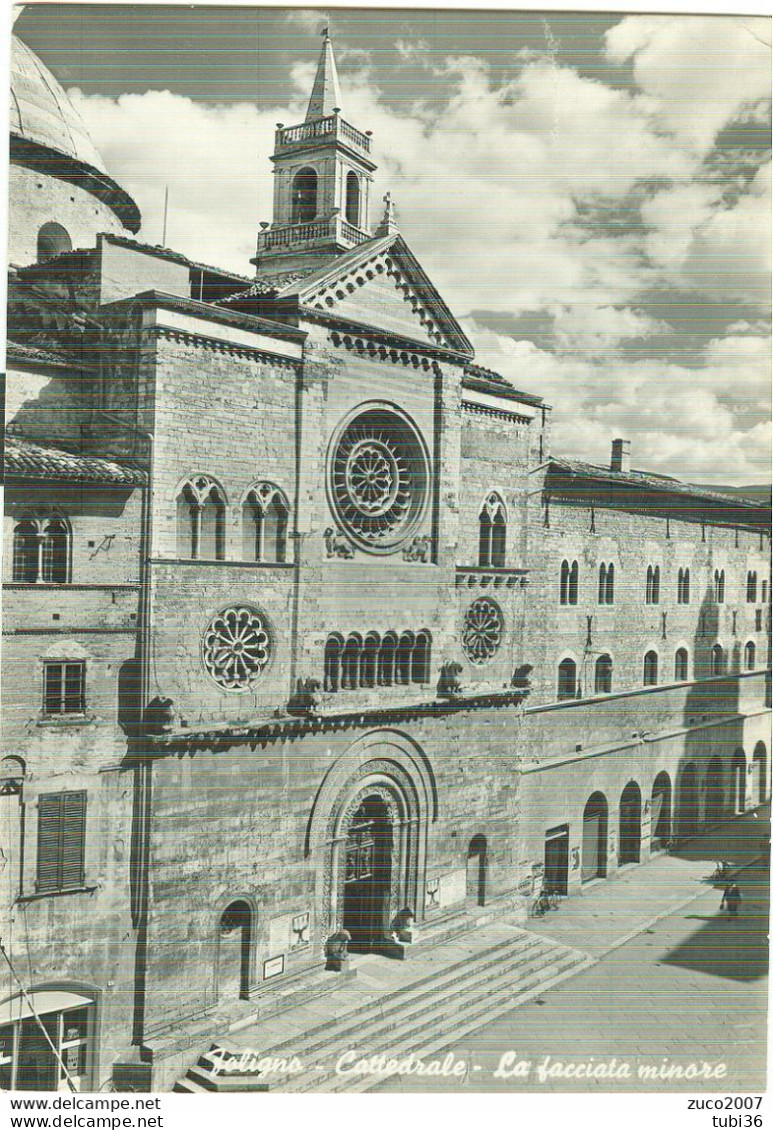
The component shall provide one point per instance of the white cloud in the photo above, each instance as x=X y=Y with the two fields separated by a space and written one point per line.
x=706 y=425
x=308 y=19
x=413 y=51
x=700 y=71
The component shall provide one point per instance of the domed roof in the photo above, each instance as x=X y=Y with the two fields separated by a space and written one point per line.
x=42 y=112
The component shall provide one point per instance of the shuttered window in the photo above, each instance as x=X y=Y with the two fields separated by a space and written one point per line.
x=61 y=840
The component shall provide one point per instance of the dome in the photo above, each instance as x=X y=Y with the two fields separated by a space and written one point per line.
x=41 y=112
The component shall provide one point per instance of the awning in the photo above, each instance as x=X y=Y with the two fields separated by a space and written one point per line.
x=54 y=1000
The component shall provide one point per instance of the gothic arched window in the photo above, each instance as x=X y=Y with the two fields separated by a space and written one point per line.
x=606 y=584
x=304 y=196
x=492 y=532
x=719 y=586
x=751 y=588
x=353 y=198
x=717 y=660
x=603 y=684
x=42 y=550
x=651 y=669
x=264 y=523
x=567 y=679
x=653 y=584
x=200 y=520
x=750 y=656
x=569 y=582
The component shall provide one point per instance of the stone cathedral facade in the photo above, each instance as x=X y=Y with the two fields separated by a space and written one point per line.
x=305 y=624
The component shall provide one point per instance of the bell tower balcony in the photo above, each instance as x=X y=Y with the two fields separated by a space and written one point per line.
x=333 y=129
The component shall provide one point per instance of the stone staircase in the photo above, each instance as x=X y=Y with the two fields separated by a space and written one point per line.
x=424 y=1016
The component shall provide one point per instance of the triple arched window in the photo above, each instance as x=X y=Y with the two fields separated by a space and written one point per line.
x=492 y=532
x=200 y=520
x=653 y=584
x=42 y=550
x=570 y=574
x=606 y=584
x=683 y=586
x=719 y=586
x=264 y=524
x=376 y=661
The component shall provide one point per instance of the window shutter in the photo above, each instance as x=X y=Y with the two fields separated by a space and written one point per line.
x=73 y=838
x=49 y=825
x=61 y=840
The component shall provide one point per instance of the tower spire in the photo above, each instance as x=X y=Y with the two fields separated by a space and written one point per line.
x=326 y=94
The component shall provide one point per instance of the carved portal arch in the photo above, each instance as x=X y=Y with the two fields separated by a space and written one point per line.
x=388 y=765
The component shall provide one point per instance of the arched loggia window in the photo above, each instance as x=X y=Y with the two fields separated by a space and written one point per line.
x=304 y=196
x=492 y=532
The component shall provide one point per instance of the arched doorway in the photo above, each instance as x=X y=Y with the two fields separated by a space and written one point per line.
x=388 y=765
x=630 y=824
x=660 y=817
x=233 y=951
x=476 y=870
x=687 y=816
x=368 y=874
x=738 y=783
x=760 y=773
x=715 y=792
x=594 y=838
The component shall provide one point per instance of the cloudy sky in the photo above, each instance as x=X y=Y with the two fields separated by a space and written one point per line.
x=590 y=193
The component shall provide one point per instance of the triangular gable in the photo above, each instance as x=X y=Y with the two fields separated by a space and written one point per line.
x=381 y=283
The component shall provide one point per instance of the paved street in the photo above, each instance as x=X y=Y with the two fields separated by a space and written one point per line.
x=690 y=989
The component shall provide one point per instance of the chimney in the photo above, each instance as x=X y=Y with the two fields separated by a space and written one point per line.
x=621 y=455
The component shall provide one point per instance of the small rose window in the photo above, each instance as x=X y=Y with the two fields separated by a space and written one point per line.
x=482 y=631
x=237 y=647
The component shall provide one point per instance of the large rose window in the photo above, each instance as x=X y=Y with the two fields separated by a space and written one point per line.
x=378 y=478
x=482 y=631
x=237 y=647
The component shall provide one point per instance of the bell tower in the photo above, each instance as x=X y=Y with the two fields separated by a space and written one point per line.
x=322 y=182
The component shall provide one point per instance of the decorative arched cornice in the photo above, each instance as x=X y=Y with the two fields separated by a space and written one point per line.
x=382 y=753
